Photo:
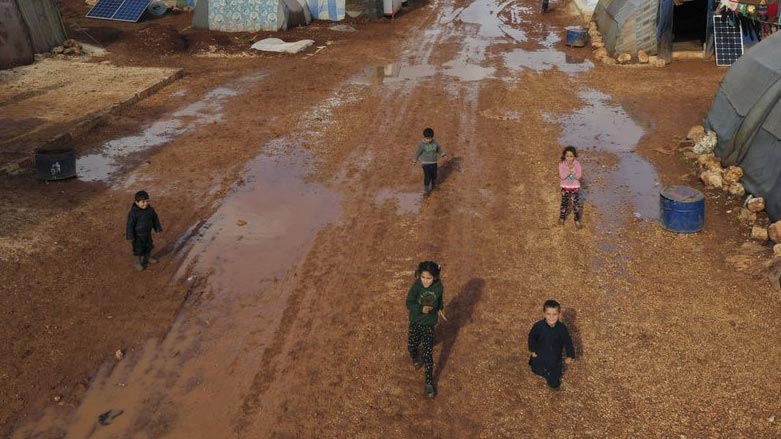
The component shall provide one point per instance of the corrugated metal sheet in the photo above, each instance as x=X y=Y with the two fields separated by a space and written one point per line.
x=44 y=24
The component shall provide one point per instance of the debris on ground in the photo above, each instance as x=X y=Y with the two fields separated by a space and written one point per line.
x=106 y=417
x=642 y=57
x=774 y=232
x=277 y=45
x=696 y=133
x=119 y=355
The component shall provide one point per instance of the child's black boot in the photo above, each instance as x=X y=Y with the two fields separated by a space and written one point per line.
x=139 y=263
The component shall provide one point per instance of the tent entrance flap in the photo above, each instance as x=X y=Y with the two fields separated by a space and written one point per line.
x=690 y=21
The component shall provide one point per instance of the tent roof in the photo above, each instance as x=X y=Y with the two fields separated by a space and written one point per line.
x=752 y=74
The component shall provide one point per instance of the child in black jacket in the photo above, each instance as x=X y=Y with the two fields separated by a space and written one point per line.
x=141 y=220
x=547 y=338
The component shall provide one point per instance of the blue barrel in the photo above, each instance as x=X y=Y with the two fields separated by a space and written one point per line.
x=577 y=36
x=682 y=209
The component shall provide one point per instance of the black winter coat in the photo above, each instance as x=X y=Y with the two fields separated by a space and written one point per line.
x=140 y=222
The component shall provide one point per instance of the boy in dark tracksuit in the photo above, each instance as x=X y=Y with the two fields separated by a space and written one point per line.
x=427 y=152
x=546 y=340
x=425 y=303
x=141 y=220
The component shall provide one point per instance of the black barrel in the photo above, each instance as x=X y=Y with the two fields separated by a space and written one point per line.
x=55 y=163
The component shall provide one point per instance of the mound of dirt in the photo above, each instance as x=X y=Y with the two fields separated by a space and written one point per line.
x=157 y=39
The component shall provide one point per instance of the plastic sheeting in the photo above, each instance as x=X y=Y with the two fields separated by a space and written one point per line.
x=628 y=25
x=28 y=27
x=250 y=15
x=746 y=115
x=332 y=10
x=16 y=49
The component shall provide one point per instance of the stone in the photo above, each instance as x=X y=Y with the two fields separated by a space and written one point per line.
x=732 y=174
x=774 y=276
x=660 y=63
x=600 y=53
x=777 y=249
x=624 y=58
x=690 y=155
x=711 y=179
x=241 y=223
x=710 y=162
x=707 y=144
x=119 y=355
x=58 y=50
x=696 y=133
x=774 y=232
x=70 y=42
x=75 y=51
x=642 y=57
x=756 y=204
x=747 y=216
x=597 y=44
x=737 y=189
x=609 y=61
x=652 y=59
x=759 y=233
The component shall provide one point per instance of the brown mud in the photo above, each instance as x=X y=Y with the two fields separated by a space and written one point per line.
x=293 y=230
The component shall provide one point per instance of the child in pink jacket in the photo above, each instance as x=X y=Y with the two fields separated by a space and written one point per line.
x=570 y=173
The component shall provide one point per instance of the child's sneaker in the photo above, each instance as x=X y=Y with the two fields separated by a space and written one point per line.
x=578 y=224
x=430 y=391
x=561 y=221
x=138 y=266
x=151 y=260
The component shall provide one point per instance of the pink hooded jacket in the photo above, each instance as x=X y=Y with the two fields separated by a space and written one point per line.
x=570 y=181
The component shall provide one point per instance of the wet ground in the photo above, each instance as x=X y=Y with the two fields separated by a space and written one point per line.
x=294 y=222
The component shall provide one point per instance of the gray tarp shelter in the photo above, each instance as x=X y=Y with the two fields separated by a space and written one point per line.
x=628 y=26
x=29 y=27
x=746 y=116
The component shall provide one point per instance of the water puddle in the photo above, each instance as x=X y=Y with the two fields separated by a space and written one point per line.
x=396 y=73
x=603 y=126
x=545 y=59
x=193 y=379
x=486 y=15
x=407 y=203
x=101 y=165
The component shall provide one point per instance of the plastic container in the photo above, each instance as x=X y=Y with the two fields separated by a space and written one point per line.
x=682 y=209
x=55 y=163
x=577 y=36
x=391 y=7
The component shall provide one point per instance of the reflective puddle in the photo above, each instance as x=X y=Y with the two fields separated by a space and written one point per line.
x=546 y=59
x=101 y=165
x=242 y=270
x=604 y=126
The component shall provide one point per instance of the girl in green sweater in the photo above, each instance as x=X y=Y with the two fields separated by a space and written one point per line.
x=425 y=304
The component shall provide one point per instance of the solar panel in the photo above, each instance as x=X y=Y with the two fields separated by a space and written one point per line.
x=121 y=10
x=728 y=39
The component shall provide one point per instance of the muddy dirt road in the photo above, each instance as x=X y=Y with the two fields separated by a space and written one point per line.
x=294 y=222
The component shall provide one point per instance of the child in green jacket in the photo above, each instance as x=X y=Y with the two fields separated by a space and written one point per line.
x=425 y=303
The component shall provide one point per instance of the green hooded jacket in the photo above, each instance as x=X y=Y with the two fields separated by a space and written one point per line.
x=419 y=296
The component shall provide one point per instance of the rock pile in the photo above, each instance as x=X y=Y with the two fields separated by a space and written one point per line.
x=752 y=213
x=69 y=47
x=600 y=53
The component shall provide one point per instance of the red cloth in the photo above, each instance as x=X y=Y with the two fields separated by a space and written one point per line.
x=772 y=10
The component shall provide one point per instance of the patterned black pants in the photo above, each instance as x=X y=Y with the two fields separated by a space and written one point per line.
x=422 y=334
x=570 y=196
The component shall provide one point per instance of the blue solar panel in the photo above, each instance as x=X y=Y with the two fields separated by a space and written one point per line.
x=122 y=10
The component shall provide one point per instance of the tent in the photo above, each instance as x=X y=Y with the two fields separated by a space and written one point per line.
x=746 y=116
x=653 y=26
x=30 y=27
x=250 y=15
